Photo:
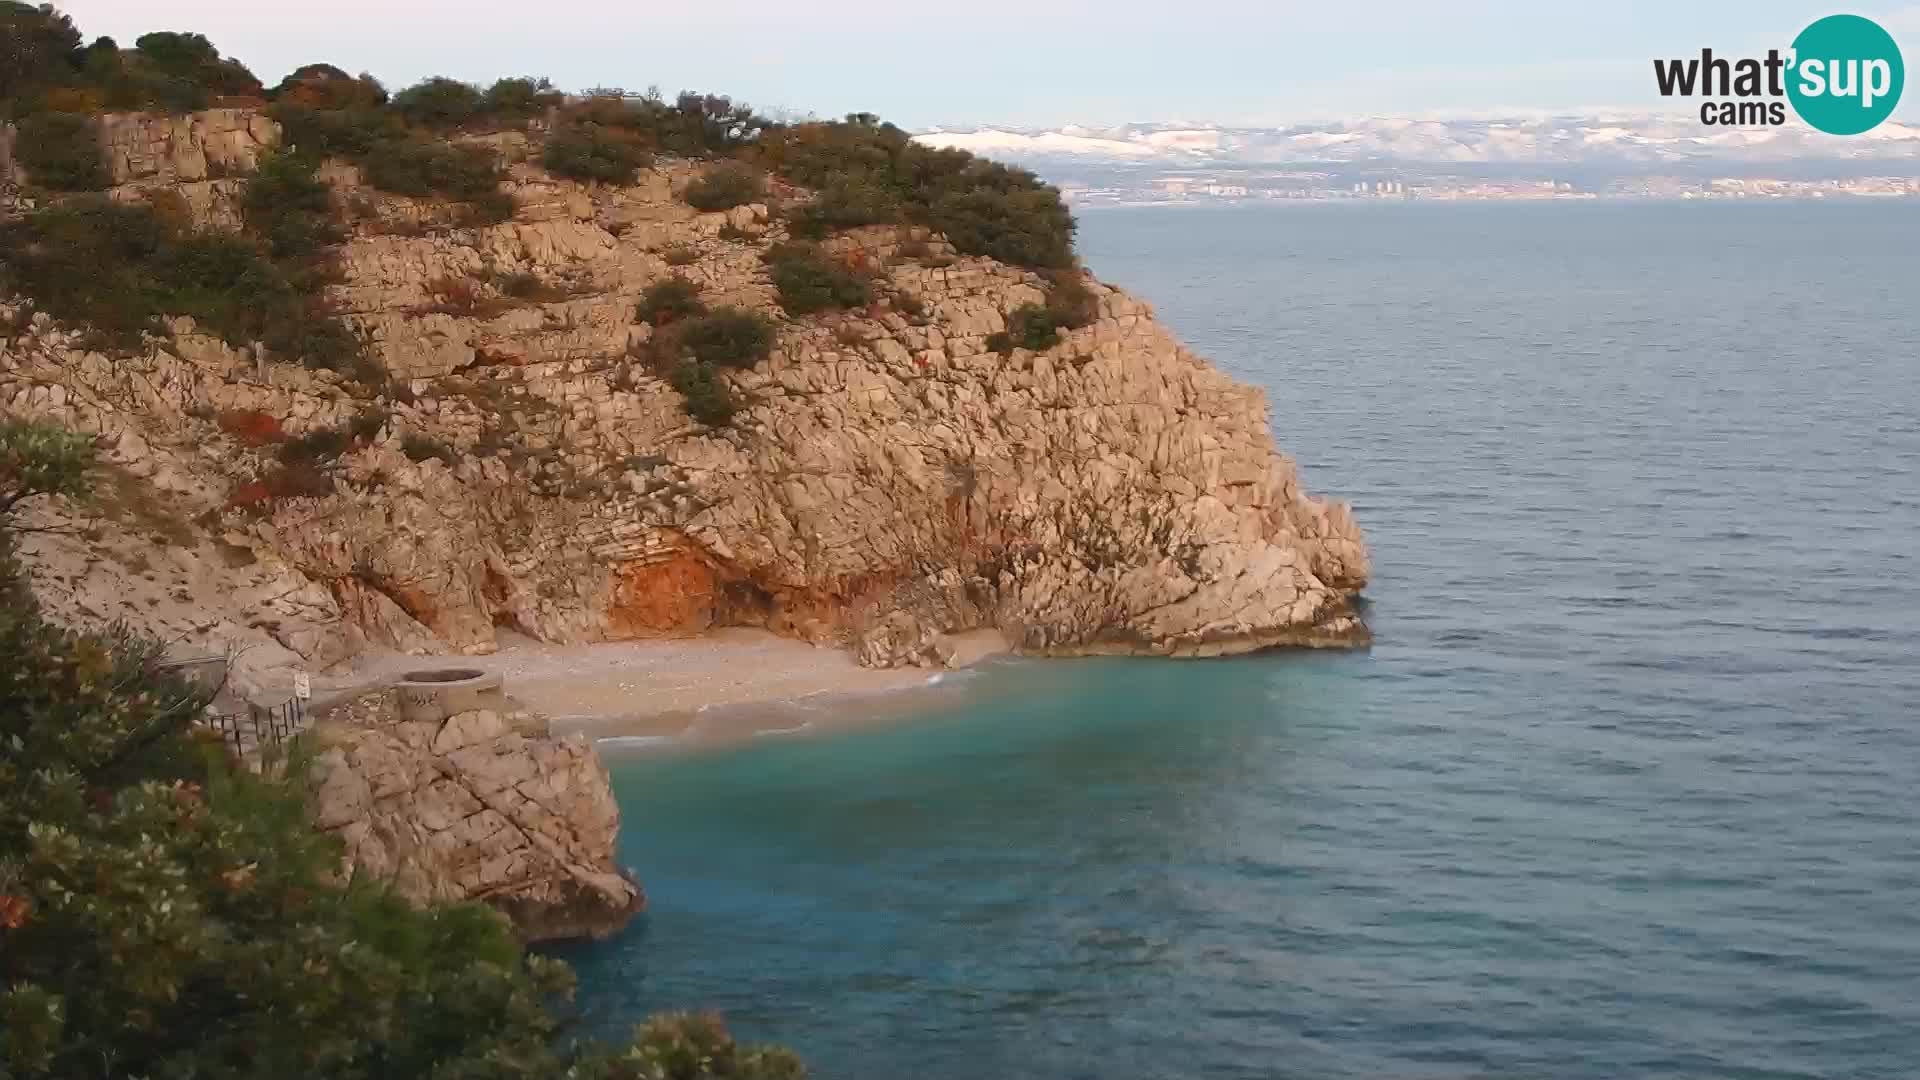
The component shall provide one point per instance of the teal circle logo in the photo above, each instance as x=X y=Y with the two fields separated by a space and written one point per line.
x=1846 y=75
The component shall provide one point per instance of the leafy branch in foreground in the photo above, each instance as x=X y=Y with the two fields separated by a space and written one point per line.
x=165 y=912
x=41 y=460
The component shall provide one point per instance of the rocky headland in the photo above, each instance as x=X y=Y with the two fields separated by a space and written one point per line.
x=481 y=805
x=896 y=471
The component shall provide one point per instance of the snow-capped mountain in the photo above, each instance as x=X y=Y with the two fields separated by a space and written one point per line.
x=1561 y=139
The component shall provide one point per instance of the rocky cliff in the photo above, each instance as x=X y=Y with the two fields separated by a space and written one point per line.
x=889 y=479
x=472 y=808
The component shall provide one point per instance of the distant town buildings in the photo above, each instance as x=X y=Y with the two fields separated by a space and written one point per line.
x=1319 y=185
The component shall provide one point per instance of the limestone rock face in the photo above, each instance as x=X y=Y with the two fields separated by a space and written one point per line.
x=208 y=145
x=471 y=809
x=889 y=480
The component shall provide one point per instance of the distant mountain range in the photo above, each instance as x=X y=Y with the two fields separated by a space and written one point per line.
x=1580 y=140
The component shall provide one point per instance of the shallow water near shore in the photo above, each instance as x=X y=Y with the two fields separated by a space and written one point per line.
x=1627 y=785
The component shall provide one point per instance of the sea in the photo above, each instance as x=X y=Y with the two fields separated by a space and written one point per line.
x=1627 y=786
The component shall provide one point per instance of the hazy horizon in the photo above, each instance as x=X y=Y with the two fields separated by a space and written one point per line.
x=998 y=63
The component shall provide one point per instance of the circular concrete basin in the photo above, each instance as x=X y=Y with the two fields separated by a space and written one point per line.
x=432 y=695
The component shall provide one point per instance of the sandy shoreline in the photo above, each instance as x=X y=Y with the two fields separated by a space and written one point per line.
x=679 y=688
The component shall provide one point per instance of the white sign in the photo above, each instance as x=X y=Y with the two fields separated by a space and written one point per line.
x=302 y=688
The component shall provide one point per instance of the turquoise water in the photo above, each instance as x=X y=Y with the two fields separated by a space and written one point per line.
x=1628 y=786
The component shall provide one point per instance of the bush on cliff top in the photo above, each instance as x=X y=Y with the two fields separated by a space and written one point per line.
x=866 y=171
x=725 y=186
x=166 y=913
x=393 y=158
x=442 y=103
x=439 y=102
x=42 y=64
x=846 y=204
x=520 y=99
x=984 y=208
x=39 y=49
x=692 y=125
x=590 y=151
x=323 y=86
x=189 y=61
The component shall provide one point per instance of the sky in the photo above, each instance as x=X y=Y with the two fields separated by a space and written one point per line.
x=1026 y=62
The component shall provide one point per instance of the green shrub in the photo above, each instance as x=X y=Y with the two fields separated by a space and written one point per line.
x=728 y=337
x=1024 y=227
x=491 y=207
x=684 y=1046
x=809 y=282
x=1029 y=326
x=289 y=208
x=680 y=255
x=422 y=169
x=323 y=86
x=61 y=151
x=693 y=125
x=520 y=99
x=41 y=61
x=393 y=159
x=350 y=133
x=192 y=59
x=1069 y=300
x=983 y=208
x=39 y=48
x=419 y=447
x=669 y=299
x=845 y=205
x=439 y=102
x=367 y=424
x=115 y=268
x=589 y=151
x=708 y=397
x=82 y=264
x=173 y=72
x=39 y=460
x=724 y=186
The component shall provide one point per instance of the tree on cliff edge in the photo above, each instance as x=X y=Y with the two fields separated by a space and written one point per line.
x=166 y=914
x=39 y=47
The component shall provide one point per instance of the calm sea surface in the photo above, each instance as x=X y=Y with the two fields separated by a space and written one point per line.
x=1629 y=785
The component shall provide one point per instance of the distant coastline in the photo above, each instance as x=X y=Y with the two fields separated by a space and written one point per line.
x=1180 y=191
x=1514 y=158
